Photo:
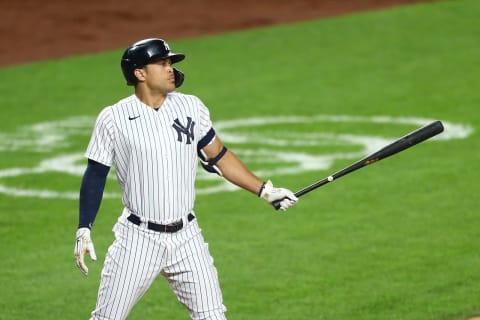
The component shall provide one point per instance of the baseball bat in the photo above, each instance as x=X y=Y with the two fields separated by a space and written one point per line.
x=397 y=146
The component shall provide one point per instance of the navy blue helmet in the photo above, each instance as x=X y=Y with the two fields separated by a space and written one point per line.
x=147 y=51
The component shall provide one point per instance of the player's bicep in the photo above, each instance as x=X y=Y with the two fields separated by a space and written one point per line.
x=100 y=147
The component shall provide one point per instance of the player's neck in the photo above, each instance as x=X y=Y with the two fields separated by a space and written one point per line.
x=154 y=101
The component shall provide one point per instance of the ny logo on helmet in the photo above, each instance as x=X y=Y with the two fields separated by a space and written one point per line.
x=167 y=48
x=187 y=130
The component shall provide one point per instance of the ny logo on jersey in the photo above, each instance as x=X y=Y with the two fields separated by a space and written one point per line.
x=187 y=130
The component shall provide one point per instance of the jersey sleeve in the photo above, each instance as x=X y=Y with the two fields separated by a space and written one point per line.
x=206 y=127
x=101 y=145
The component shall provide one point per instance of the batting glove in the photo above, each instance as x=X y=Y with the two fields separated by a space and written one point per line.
x=84 y=244
x=286 y=197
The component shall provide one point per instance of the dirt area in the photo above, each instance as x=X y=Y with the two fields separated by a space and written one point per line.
x=37 y=30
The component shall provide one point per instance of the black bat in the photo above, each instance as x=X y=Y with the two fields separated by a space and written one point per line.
x=401 y=144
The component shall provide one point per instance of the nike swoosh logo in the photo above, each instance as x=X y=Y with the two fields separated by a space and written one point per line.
x=133 y=118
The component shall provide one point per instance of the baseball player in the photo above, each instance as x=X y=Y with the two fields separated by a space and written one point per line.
x=155 y=138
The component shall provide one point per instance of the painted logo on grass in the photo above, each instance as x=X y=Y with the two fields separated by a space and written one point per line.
x=271 y=146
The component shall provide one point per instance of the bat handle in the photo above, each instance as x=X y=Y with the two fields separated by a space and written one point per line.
x=276 y=204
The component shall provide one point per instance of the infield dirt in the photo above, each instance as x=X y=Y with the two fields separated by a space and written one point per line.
x=32 y=30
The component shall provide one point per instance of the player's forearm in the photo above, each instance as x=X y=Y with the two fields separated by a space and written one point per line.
x=91 y=193
x=235 y=171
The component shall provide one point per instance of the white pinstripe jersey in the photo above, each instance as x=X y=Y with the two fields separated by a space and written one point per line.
x=154 y=153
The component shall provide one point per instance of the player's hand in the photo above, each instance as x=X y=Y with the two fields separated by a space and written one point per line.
x=83 y=244
x=270 y=194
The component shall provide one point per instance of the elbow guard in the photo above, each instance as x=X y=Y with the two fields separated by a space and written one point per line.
x=210 y=165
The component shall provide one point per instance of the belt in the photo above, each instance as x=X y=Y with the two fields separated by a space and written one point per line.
x=170 y=228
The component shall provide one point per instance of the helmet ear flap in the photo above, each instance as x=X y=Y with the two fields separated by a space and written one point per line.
x=179 y=77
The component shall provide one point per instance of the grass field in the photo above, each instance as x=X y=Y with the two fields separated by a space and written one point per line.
x=396 y=240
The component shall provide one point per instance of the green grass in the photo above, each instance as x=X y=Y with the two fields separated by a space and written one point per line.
x=396 y=240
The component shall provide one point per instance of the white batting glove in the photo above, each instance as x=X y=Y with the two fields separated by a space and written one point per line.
x=271 y=194
x=83 y=244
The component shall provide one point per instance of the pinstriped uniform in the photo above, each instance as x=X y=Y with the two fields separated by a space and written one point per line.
x=155 y=156
x=155 y=170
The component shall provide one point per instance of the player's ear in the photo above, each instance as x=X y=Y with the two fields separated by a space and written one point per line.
x=139 y=74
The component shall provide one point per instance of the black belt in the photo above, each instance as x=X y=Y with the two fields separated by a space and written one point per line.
x=172 y=227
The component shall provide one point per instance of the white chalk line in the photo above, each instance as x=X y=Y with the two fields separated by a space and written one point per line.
x=274 y=149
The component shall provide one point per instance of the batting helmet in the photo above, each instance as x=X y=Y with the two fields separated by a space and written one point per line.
x=147 y=51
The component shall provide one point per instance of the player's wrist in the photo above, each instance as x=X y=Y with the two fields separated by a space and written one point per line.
x=83 y=232
x=259 y=193
x=267 y=191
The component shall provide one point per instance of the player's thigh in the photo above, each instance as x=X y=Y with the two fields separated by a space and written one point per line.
x=129 y=269
x=194 y=280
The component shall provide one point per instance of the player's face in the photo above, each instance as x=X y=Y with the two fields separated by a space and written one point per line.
x=160 y=76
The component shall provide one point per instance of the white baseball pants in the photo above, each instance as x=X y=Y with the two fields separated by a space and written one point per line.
x=138 y=256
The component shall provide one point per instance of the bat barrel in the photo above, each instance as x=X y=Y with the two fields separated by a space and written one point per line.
x=422 y=134
x=406 y=142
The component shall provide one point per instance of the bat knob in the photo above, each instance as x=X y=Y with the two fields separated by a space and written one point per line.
x=276 y=204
